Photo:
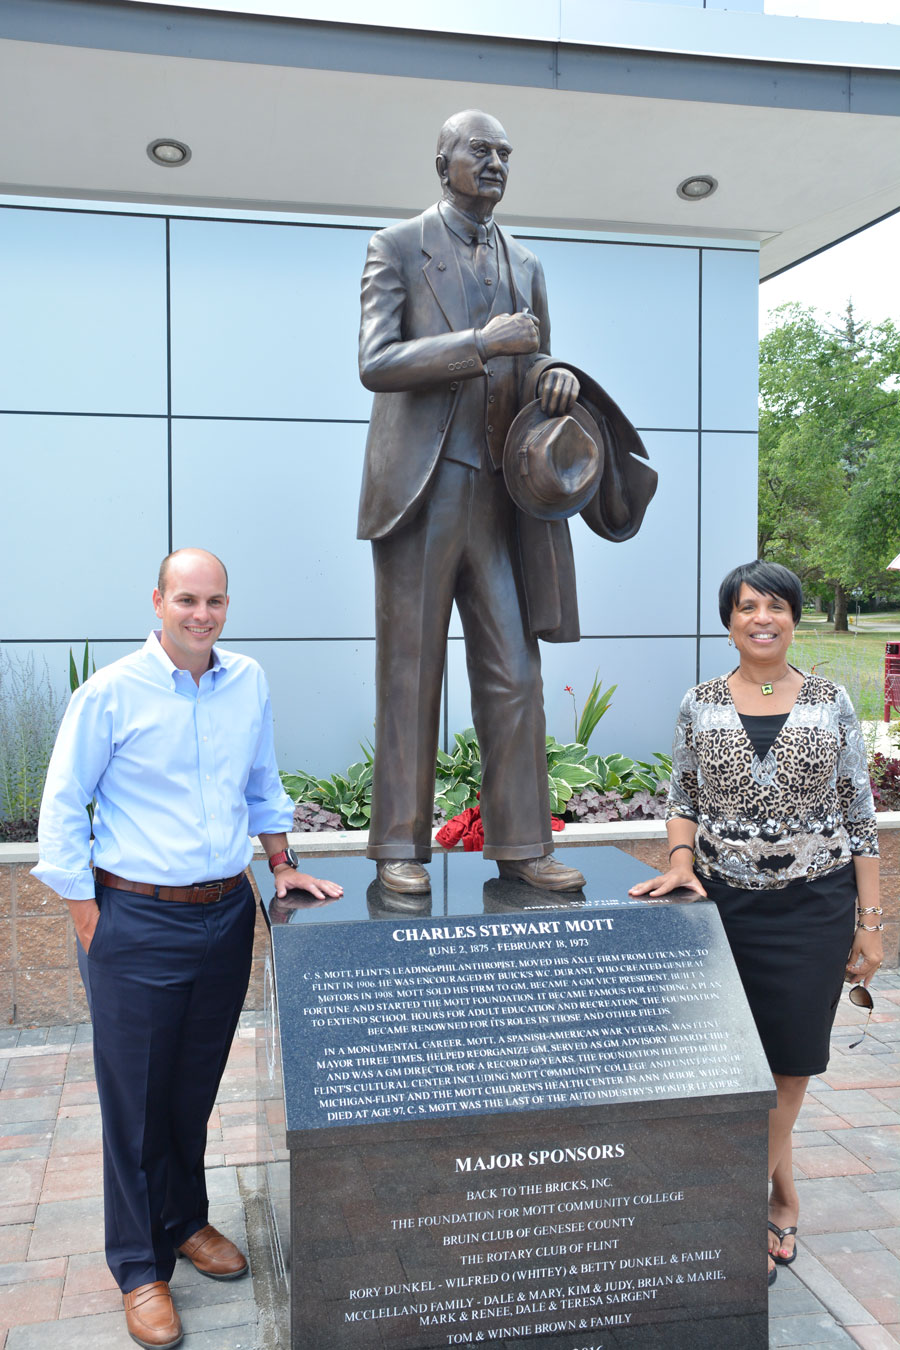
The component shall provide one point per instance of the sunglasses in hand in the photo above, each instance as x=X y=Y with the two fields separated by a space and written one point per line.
x=861 y=998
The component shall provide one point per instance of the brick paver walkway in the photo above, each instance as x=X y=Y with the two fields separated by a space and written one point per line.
x=57 y=1294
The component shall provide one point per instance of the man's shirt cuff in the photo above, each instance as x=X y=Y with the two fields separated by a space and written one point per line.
x=70 y=885
x=271 y=817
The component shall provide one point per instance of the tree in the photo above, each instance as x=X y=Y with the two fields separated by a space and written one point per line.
x=829 y=462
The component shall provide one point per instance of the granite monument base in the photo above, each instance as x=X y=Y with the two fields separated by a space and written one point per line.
x=527 y=1120
x=610 y=1226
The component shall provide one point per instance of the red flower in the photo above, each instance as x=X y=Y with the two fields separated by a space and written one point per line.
x=568 y=689
x=468 y=829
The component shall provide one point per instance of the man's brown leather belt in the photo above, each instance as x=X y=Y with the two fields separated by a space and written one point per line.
x=205 y=893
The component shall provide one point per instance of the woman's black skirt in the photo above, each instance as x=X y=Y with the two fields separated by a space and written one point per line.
x=790 y=947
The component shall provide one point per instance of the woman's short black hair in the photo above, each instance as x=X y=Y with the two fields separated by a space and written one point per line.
x=767 y=578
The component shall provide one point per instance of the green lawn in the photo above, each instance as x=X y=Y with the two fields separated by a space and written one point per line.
x=855 y=660
x=882 y=621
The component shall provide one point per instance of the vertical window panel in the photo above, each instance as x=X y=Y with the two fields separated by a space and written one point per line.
x=83 y=312
x=730 y=339
x=88 y=526
x=278 y=502
x=265 y=320
x=647 y=584
x=627 y=315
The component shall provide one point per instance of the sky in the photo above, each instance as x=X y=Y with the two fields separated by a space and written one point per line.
x=863 y=268
x=859 y=11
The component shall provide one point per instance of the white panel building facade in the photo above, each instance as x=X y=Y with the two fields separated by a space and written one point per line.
x=178 y=344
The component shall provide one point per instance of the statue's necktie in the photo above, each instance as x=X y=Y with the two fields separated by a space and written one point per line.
x=482 y=254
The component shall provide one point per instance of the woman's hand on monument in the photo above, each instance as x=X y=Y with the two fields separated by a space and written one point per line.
x=681 y=876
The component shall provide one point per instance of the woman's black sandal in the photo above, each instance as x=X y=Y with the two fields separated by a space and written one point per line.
x=781 y=1234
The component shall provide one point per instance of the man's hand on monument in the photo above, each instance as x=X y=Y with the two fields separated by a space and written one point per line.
x=511 y=334
x=286 y=879
x=558 y=391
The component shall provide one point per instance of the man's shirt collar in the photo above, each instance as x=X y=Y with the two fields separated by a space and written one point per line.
x=463 y=226
x=154 y=649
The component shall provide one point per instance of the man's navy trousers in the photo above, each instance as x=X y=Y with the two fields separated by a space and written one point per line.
x=165 y=983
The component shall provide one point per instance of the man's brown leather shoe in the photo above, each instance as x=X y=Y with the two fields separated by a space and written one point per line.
x=546 y=873
x=214 y=1255
x=151 y=1317
x=408 y=877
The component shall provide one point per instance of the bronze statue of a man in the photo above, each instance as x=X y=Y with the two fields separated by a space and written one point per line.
x=454 y=341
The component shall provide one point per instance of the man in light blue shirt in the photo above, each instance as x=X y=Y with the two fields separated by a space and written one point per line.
x=174 y=744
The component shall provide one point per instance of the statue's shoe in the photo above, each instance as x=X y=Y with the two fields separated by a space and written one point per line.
x=408 y=877
x=546 y=873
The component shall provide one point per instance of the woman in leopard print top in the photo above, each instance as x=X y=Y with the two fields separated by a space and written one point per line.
x=802 y=810
x=771 y=816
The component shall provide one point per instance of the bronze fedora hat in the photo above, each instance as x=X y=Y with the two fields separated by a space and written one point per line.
x=552 y=465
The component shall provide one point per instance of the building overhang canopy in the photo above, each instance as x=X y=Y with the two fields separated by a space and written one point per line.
x=307 y=116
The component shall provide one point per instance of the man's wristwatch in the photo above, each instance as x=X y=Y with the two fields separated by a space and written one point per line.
x=286 y=855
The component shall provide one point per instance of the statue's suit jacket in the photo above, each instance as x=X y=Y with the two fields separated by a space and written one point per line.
x=416 y=348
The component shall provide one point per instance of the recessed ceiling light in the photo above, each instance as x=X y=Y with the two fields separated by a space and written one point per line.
x=168 y=152
x=698 y=186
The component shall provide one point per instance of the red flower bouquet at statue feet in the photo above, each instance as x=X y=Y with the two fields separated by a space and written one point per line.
x=467 y=827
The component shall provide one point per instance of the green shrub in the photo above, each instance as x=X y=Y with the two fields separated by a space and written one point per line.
x=348 y=794
x=570 y=769
x=595 y=705
x=30 y=714
x=458 y=775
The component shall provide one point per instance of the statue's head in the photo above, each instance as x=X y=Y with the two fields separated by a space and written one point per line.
x=473 y=160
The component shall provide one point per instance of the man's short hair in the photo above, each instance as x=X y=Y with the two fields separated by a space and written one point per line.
x=164 y=566
x=767 y=578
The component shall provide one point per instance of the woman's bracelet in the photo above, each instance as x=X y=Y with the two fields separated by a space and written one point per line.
x=678 y=846
x=870 y=909
x=871 y=927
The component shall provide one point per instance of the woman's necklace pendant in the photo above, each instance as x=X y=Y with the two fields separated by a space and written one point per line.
x=769 y=686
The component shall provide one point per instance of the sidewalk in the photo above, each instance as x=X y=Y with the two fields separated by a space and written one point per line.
x=56 y=1292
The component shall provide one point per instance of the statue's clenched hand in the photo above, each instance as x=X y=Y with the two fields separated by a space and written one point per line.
x=511 y=335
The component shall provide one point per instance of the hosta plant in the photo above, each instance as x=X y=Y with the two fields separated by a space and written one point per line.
x=458 y=775
x=348 y=795
x=581 y=785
